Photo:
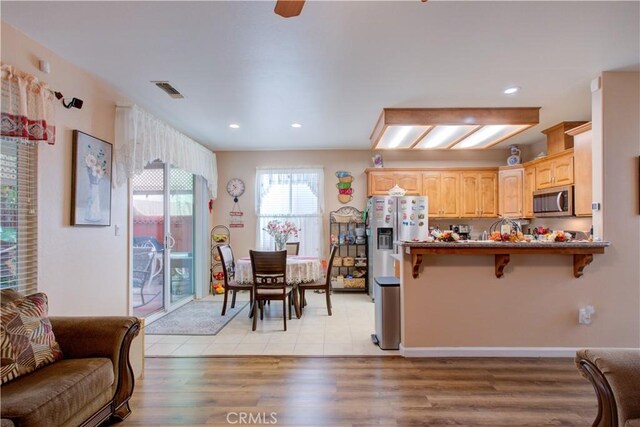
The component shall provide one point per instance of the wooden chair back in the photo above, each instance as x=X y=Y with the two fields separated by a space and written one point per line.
x=269 y=269
x=228 y=263
x=293 y=248
x=332 y=255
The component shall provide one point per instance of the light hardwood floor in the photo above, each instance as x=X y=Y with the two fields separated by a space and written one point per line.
x=362 y=391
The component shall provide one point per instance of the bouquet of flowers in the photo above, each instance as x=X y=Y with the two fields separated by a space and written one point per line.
x=445 y=236
x=558 y=236
x=96 y=165
x=281 y=231
x=514 y=236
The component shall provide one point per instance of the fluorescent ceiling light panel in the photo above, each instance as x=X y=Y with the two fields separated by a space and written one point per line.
x=443 y=136
x=448 y=128
x=489 y=135
x=401 y=136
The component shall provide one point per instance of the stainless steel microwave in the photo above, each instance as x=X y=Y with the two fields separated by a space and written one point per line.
x=552 y=202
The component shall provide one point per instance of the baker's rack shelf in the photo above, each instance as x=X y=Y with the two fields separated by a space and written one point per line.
x=350 y=266
x=220 y=235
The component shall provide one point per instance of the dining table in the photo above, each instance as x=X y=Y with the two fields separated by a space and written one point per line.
x=300 y=269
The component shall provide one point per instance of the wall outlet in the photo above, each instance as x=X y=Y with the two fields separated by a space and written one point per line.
x=584 y=315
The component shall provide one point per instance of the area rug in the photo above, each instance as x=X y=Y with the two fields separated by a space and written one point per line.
x=195 y=318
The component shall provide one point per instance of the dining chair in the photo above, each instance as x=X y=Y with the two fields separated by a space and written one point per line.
x=230 y=284
x=145 y=268
x=293 y=248
x=270 y=282
x=321 y=284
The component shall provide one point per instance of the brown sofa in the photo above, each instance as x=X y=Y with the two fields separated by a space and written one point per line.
x=615 y=375
x=91 y=384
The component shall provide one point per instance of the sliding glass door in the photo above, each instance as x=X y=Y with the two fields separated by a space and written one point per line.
x=163 y=243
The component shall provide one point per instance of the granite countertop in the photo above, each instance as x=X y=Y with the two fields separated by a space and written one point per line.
x=492 y=244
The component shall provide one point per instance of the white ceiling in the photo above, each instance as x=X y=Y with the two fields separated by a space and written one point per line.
x=337 y=65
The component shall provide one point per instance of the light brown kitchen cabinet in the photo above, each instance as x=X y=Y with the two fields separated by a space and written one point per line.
x=555 y=172
x=529 y=188
x=582 y=155
x=488 y=194
x=563 y=170
x=410 y=181
x=442 y=189
x=380 y=182
x=478 y=194
x=511 y=190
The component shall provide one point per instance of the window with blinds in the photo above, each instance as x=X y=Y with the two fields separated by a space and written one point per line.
x=294 y=195
x=18 y=215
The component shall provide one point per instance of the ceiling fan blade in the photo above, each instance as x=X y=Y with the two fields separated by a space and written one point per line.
x=289 y=8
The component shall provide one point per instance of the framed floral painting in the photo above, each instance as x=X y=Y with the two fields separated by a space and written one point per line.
x=91 y=180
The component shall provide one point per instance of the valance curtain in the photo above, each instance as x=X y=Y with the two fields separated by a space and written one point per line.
x=291 y=194
x=141 y=138
x=27 y=107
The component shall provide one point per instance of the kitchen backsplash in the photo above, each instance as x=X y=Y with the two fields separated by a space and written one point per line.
x=480 y=225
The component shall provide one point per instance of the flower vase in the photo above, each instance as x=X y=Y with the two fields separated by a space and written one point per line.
x=93 y=212
x=280 y=244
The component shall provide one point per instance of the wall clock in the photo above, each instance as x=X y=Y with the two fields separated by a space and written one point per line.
x=235 y=188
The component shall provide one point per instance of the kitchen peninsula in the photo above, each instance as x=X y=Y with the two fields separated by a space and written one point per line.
x=582 y=252
x=453 y=305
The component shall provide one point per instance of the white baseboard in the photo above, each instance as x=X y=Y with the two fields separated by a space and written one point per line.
x=487 y=351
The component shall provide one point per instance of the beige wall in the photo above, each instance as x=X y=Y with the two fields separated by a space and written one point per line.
x=243 y=164
x=83 y=270
x=458 y=302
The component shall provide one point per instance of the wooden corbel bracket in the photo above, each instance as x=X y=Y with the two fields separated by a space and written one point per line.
x=501 y=262
x=416 y=260
x=580 y=261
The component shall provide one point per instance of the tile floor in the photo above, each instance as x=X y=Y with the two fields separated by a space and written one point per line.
x=347 y=332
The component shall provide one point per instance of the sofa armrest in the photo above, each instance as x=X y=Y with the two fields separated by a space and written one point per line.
x=111 y=337
x=615 y=375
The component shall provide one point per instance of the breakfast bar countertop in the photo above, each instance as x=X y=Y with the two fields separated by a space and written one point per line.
x=494 y=245
x=582 y=251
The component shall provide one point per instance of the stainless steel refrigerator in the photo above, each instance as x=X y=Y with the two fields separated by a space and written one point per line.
x=391 y=219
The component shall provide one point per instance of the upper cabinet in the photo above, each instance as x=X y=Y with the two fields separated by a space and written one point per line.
x=380 y=182
x=558 y=137
x=529 y=188
x=442 y=189
x=478 y=194
x=555 y=172
x=582 y=141
x=511 y=202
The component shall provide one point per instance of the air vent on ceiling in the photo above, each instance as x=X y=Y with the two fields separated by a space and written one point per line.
x=170 y=90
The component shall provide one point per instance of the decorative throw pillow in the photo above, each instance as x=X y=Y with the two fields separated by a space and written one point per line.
x=26 y=337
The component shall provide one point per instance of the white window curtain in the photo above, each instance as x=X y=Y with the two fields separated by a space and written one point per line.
x=291 y=194
x=141 y=138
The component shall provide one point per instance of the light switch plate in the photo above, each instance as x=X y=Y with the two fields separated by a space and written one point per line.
x=595 y=206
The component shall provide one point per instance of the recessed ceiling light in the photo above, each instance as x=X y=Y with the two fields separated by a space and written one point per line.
x=234 y=126
x=511 y=90
x=296 y=125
